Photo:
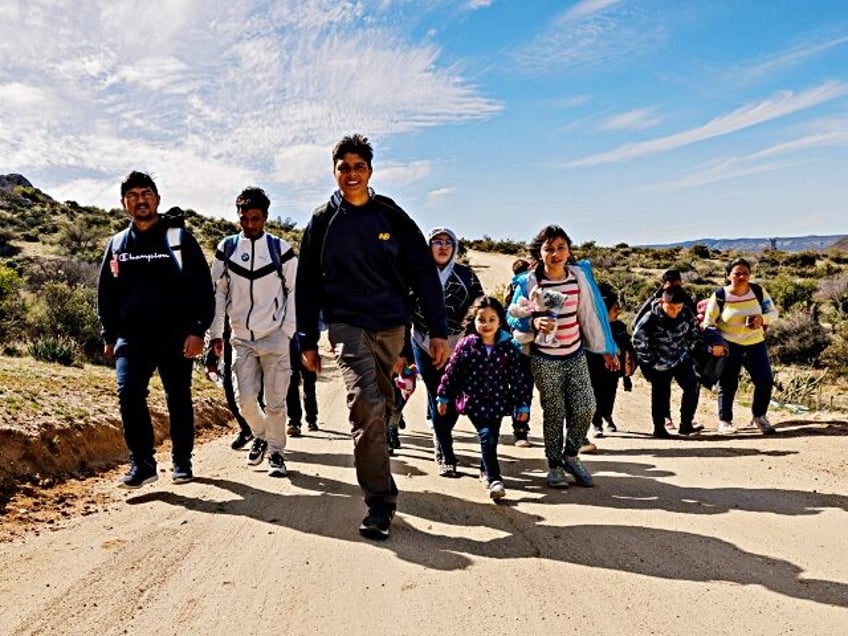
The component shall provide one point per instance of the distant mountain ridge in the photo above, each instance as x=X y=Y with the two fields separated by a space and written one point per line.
x=785 y=244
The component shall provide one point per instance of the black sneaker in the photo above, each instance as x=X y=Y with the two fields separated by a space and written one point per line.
x=241 y=440
x=276 y=465
x=394 y=438
x=312 y=426
x=139 y=475
x=257 y=452
x=376 y=525
x=182 y=473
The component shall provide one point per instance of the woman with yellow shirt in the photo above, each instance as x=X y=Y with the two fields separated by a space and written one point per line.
x=741 y=311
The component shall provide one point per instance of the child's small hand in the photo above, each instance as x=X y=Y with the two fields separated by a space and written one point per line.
x=611 y=362
x=442 y=408
x=522 y=417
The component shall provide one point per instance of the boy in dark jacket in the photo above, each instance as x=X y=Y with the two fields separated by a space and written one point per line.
x=663 y=339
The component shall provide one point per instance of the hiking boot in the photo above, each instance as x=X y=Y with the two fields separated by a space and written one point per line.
x=394 y=438
x=376 y=525
x=276 y=465
x=293 y=429
x=766 y=427
x=257 y=452
x=497 y=490
x=556 y=478
x=140 y=474
x=661 y=432
x=689 y=429
x=726 y=428
x=241 y=440
x=182 y=473
x=578 y=470
x=312 y=427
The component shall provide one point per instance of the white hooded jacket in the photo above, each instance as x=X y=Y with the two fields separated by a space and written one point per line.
x=258 y=298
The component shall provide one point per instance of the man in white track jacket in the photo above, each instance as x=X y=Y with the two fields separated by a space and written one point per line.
x=254 y=276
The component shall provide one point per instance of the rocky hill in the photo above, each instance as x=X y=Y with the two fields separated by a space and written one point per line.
x=784 y=244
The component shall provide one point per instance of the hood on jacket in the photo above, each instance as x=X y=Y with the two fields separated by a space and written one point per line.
x=445 y=272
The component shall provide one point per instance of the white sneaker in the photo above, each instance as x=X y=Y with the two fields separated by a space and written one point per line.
x=726 y=428
x=763 y=424
x=497 y=490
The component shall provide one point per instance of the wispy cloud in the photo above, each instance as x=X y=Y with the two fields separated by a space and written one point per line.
x=435 y=197
x=638 y=119
x=794 y=56
x=586 y=8
x=259 y=93
x=779 y=156
x=593 y=33
x=780 y=105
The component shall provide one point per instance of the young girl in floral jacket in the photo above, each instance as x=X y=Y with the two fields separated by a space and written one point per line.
x=486 y=380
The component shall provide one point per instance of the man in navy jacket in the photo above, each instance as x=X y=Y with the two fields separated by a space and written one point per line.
x=155 y=302
x=359 y=258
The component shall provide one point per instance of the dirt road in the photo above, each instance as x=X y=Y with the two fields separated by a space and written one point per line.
x=714 y=535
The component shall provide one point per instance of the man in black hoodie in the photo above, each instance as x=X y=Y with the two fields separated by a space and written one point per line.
x=359 y=258
x=155 y=302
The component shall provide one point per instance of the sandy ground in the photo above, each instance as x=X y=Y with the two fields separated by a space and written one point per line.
x=713 y=535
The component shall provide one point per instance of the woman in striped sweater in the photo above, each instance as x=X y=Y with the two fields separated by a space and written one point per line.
x=574 y=318
x=741 y=311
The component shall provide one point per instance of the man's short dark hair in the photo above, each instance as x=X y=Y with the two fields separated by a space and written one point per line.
x=136 y=179
x=671 y=275
x=674 y=296
x=253 y=199
x=357 y=144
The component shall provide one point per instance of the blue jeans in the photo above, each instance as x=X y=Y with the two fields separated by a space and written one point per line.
x=488 y=432
x=442 y=424
x=134 y=366
x=755 y=360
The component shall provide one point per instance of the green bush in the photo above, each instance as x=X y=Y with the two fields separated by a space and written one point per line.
x=798 y=339
x=61 y=310
x=788 y=292
x=12 y=307
x=835 y=356
x=58 y=349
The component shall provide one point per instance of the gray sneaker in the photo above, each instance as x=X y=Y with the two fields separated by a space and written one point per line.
x=766 y=427
x=582 y=476
x=556 y=478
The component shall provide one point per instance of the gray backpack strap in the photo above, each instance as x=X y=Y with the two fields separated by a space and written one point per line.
x=175 y=245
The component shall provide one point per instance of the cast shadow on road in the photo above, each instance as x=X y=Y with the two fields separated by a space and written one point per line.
x=659 y=553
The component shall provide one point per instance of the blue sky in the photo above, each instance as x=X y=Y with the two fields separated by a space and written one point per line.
x=634 y=121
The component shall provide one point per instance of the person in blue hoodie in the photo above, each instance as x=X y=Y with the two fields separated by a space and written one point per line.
x=155 y=303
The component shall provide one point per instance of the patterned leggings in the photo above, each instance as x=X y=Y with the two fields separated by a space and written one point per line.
x=565 y=393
